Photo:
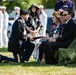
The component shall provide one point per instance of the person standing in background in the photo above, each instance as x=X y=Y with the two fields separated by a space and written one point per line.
x=61 y=3
x=35 y=26
x=5 y=25
x=1 y=26
x=17 y=12
x=35 y=20
x=43 y=20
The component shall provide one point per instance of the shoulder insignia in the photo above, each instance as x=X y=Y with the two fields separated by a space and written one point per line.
x=19 y=20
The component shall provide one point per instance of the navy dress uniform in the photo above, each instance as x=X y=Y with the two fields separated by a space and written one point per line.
x=5 y=25
x=1 y=26
x=43 y=20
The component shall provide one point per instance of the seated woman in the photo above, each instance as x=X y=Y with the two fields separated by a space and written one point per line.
x=56 y=20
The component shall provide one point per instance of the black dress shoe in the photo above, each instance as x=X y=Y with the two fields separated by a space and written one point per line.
x=0 y=58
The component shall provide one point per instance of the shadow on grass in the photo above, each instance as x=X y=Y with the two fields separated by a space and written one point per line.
x=35 y=64
x=31 y=63
x=3 y=50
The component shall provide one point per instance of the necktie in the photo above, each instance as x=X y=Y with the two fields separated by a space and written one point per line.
x=61 y=29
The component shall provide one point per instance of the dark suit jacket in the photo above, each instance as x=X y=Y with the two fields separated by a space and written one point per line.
x=67 y=36
x=17 y=34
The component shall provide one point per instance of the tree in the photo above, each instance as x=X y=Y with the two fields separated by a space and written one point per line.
x=27 y=3
x=49 y=3
x=0 y=2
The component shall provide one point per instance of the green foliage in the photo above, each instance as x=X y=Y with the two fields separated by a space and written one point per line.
x=26 y=3
x=49 y=3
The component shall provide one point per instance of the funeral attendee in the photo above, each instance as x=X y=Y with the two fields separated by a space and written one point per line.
x=1 y=26
x=43 y=20
x=66 y=36
x=34 y=29
x=17 y=12
x=61 y=3
x=5 y=25
x=19 y=44
x=57 y=21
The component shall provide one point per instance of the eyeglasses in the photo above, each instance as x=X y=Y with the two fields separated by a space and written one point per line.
x=64 y=14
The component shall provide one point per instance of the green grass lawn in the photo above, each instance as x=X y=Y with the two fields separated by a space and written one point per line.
x=34 y=68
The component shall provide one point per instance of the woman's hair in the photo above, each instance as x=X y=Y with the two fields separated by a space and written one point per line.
x=57 y=15
x=36 y=13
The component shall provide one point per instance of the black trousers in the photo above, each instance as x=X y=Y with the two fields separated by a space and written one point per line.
x=46 y=48
x=27 y=48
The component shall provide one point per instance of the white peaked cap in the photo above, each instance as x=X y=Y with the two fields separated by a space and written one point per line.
x=18 y=8
x=41 y=6
x=3 y=7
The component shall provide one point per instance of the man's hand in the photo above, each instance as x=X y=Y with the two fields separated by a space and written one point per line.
x=52 y=39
